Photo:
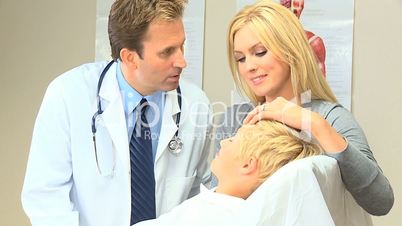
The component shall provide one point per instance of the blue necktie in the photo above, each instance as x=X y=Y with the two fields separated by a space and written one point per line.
x=142 y=169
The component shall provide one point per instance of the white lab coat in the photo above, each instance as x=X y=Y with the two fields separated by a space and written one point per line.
x=62 y=184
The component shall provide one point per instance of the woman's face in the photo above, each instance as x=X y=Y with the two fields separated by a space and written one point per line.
x=263 y=72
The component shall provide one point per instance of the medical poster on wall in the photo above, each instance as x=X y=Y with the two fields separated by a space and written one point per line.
x=329 y=27
x=193 y=48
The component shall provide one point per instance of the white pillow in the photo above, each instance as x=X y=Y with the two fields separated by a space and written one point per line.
x=305 y=192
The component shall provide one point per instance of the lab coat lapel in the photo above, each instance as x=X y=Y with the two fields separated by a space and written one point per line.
x=113 y=115
x=168 y=127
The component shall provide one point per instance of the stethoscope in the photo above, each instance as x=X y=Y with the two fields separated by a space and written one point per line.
x=175 y=145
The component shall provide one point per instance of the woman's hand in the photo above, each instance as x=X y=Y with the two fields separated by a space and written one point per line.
x=284 y=111
x=295 y=116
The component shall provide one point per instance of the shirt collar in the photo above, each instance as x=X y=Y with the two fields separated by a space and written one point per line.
x=131 y=98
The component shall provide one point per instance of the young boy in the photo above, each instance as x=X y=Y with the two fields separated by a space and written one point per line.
x=242 y=164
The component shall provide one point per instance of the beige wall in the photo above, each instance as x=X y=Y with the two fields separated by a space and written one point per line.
x=38 y=40
x=43 y=38
x=377 y=93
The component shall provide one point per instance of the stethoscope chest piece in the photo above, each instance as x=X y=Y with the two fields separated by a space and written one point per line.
x=175 y=145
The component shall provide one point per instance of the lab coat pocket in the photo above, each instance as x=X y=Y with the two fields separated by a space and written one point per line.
x=178 y=189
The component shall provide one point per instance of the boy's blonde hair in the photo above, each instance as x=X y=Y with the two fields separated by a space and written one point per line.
x=274 y=145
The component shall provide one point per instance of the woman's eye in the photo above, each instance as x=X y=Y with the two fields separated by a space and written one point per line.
x=261 y=53
x=241 y=59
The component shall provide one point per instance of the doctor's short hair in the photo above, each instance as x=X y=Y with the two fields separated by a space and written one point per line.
x=129 y=21
x=274 y=145
x=281 y=33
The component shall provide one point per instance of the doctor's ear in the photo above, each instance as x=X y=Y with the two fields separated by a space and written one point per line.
x=250 y=165
x=129 y=57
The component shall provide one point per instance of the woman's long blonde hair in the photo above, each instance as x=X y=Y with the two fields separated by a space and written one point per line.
x=280 y=31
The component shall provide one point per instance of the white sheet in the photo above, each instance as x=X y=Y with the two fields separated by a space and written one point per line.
x=206 y=209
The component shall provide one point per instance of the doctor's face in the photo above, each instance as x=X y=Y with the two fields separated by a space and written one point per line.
x=162 y=58
x=227 y=162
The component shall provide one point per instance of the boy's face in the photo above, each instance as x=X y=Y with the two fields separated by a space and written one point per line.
x=227 y=161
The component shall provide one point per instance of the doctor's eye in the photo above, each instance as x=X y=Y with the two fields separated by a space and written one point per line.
x=167 y=52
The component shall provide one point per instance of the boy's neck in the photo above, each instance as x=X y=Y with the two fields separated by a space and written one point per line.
x=243 y=191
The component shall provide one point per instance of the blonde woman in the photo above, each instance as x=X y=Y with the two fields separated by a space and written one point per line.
x=273 y=65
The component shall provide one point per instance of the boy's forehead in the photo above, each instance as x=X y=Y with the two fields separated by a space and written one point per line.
x=246 y=127
x=242 y=131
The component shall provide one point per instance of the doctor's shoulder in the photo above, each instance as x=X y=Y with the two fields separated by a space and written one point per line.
x=85 y=76
x=195 y=103
x=192 y=92
x=75 y=86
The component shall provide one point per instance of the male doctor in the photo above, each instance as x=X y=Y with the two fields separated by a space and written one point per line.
x=125 y=146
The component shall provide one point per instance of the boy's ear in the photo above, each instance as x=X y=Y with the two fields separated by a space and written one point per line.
x=129 y=58
x=250 y=165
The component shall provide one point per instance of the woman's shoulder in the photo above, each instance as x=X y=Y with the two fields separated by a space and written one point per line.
x=326 y=108
x=335 y=114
